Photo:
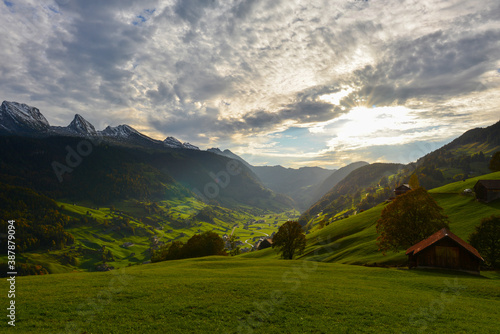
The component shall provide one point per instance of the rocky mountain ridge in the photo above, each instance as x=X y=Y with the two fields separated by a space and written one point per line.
x=22 y=119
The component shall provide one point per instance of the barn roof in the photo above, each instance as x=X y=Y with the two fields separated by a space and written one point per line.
x=441 y=234
x=403 y=186
x=489 y=184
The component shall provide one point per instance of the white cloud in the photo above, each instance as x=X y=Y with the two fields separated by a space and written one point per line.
x=226 y=72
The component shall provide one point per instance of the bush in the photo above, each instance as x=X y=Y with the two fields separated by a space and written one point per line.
x=486 y=239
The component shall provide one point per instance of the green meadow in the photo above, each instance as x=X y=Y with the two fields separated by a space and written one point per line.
x=341 y=284
x=353 y=240
x=172 y=220
x=241 y=295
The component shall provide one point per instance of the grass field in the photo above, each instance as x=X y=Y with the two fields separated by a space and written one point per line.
x=320 y=292
x=173 y=221
x=353 y=240
x=240 y=295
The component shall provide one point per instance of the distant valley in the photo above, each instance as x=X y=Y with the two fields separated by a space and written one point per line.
x=116 y=194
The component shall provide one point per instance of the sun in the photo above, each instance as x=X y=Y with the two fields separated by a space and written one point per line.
x=364 y=126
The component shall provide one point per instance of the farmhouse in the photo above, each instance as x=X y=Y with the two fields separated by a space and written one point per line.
x=487 y=190
x=444 y=249
x=402 y=189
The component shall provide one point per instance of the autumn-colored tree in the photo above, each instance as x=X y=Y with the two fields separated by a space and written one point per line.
x=289 y=240
x=414 y=183
x=408 y=219
x=495 y=162
x=384 y=181
x=486 y=239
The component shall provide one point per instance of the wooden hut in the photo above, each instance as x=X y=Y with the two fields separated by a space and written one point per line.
x=266 y=243
x=444 y=249
x=401 y=189
x=487 y=190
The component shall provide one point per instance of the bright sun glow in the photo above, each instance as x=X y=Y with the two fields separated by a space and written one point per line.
x=364 y=121
x=364 y=127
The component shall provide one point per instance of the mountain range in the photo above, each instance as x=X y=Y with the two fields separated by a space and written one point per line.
x=303 y=185
x=370 y=184
x=310 y=189
x=117 y=187
x=21 y=119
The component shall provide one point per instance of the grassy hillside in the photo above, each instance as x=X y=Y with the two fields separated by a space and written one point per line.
x=467 y=155
x=353 y=240
x=128 y=231
x=367 y=186
x=361 y=189
x=237 y=295
x=67 y=236
x=256 y=292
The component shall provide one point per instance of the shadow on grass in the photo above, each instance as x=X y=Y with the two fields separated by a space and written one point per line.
x=495 y=274
x=445 y=272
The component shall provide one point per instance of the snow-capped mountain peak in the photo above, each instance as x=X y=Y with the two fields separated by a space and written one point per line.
x=175 y=143
x=82 y=126
x=190 y=146
x=19 y=117
x=172 y=143
x=122 y=131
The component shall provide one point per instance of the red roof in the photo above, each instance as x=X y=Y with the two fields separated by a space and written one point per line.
x=441 y=234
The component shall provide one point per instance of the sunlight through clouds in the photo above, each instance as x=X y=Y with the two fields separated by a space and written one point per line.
x=227 y=73
x=335 y=98
x=365 y=127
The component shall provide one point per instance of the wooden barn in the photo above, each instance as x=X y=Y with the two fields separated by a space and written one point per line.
x=487 y=190
x=266 y=243
x=401 y=189
x=444 y=249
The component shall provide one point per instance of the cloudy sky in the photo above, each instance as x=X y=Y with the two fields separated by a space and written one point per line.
x=289 y=82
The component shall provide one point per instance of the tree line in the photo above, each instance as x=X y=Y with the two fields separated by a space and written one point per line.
x=38 y=222
x=199 y=245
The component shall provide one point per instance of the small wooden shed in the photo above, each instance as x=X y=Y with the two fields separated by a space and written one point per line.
x=266 y=243
x=487 y=190
x=401 y=189
x=444 y=249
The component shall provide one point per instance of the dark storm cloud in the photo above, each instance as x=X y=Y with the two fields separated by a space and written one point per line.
x=300 y=112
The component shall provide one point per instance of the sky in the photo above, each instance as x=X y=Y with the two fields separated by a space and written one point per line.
x=291 y=82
